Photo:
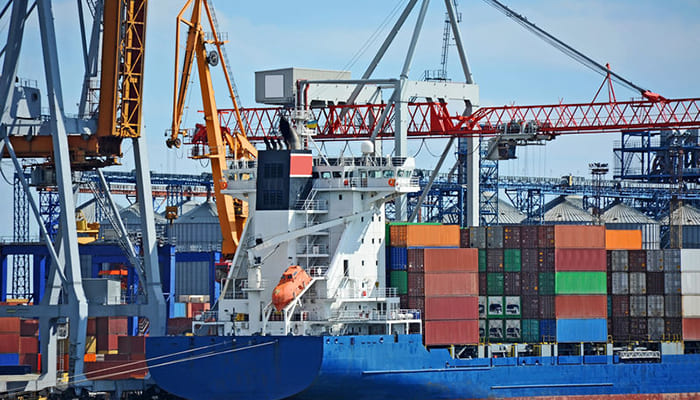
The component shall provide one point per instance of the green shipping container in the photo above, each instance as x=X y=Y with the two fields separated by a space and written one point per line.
x=546 y=284
x=494 y=283
x=511 y=260
x=531 y=330
x=482 y=260
x=399 y=280
x=580 y=283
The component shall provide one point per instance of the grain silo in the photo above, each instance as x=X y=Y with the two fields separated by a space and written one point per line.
x=620 y=216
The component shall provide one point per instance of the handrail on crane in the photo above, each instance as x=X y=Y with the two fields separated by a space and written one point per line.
x=232 y=213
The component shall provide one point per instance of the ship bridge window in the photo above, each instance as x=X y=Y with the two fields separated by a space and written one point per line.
x=388 y=173
x=337 y=174
x=326 y=174
x=375 y=174
x=314 y=175
x=403 y=173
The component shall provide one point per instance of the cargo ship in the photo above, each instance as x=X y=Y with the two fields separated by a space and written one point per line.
x=325 y=300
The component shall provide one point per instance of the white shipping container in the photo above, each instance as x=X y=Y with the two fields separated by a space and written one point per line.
x=690 y=260
x=690 y=283
x=691 y=306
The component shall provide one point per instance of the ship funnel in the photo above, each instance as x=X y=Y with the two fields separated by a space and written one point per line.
x=291 y=138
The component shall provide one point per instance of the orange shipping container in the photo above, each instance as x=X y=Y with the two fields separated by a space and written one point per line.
x=452 y=284
x=691 y=328
x=424 y=235
x=581 y=307
x=580 y=260
x=9 y=342
x=28 y=345
x=623 y=239
x=451 y=308
x=451 y=260
x=440 y=333
x=579 y=237
x=9 y=325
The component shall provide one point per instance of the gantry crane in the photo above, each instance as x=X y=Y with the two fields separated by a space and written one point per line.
x=232 y=213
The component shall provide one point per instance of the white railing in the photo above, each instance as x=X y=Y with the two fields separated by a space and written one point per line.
x=317 y=271
x=352 y=293
x=392 y=315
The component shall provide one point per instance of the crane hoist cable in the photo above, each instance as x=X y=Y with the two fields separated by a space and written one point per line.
x=570 y=51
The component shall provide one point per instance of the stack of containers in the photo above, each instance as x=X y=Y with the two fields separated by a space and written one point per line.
x=627 y=265
x=107 y=332
x=670 y=260
x=128 y=363
x=19 y=345
x=580 y=284
x=451 y=302
x=690 y=293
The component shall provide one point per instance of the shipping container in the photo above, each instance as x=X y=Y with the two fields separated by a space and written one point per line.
x=111 y=326
x=690 y=260
x=477 y=237
x=546 y=284
x=398 y=258
x=513 y=330
x=674 y=328
x=619 y=260
x=623 y=239
x=580 y=260
x=579 y=236
x=620 y=306
x=655 y=260
x=403 y=301
x=546 y=260
x=690 y=306
x=637 y=260
x=416 y=303
x=451 y=308
x=655 y=283
x=638 y=328
x=638 y=306
x=9 y=359
x=529 y=260
x=496 y=329
x=511 y=237
x=28 y=345
x=581 y=306
x=416 y=283
x=424 y=235
x=482 y=329
x=464 y=237
x=511 y=284
x=672 y=260
x=29 y=327
x=548 y=330
x=672 y=283
x=9 y=325
x=451 y=284
x=483 y=284
x=107 y=343
x=399 y=280
x=530 y=330
x=547 y=307
x=451 y=260
x=9 y=342
x=495 y=283
x=482 y=307
x=529 y=237
x=580 y=283
x=512 y=260
x=620 y=282
x=415 y=259
x=529 y=283
x=494 y=260
x=620 y=328
x=656 y=328
x=672 y=306
x=513 y=307
x=691 y=328
x=638 y=283
x=495 y=306
x=545 y=236
x=494 y=237
x=690 y=283
x=530 y=306
x=482 y=260
x=581 y=330
x=132 y=345
x=655 y=306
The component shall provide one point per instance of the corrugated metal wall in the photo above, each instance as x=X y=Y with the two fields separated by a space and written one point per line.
x=192 y=278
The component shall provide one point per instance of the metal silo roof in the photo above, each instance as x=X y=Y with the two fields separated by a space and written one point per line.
x=623 y=214
x=203 y=213
x=507 y=214
x=566 y=209
x=685 y=215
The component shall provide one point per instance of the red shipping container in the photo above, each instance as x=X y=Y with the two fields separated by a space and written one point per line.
x=9 y=342
x=451 y=260
x=30 y=359
x=28 y=345
x=107 y=343
x=132 y=344
x=112 y=326
x=416 y=284
x=579 y=237
x=117 y=357
x=451 y=308
x=529 y=238
x=9 y=325
x=29 y=327
x=452 y=284
x=415 y=260
x=545 y=236
x=91 y=327
x=464 y=237
x=441 y=333
x=581 y=307
x=511 y=237
x=580 y=260
x=416 y=302
x=691 y=328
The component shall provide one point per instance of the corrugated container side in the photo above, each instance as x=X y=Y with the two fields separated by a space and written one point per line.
x=546 y=283
x=548 y=330
x=690 y=283
x=672 y=306
x=477 y=237
x=619 y=260
x=111 y=326
x=482 y=306
x=674 y=328
x=494 y=260
x=580 y=283
x=415 y=259
x=623 y=239
x=451 y=308
x=620 y=282
x=637 y=260
x=399 y=280
x=398 y=258
x=672 y=283
x=451 y=260
x=512 y=260
x=494 y=237
x=511 y=237
x=495 y=283
x=9 y=325
x=655 y=261
x=28 y=345
x=529 y=238
x=546 y=260
x=9 y=343
x=580 y=260
x=403 y=301
x=29 y=327
x=513 y=330
x=513 y=307
x=529 y=284
x=547 y=307
x=416 y=302
x=529 y=260
x=545 y=236
x=432 y=235
x=451 y=284
x=192 y=278
x=638 y=328
x=655 y=306
x=496 y=329
x=464 y=237
x=655 y=328
x=397 y=235
x=691 y=306
x=620 y=328
x=511 y=284
x=483 y=284
x=530 y=307
x=581 y=306
x=638 y=306
x=530 y=330
x=638 y=283
x=9 y=359
x=691 y=328
x=672 y=260
x=620 y=306
x=579 y=236
x=482 y=260
x=655 y=283
x=691 y=236
x=495 y=306
x=416 y=283
x=582 y=330
x=690 y=260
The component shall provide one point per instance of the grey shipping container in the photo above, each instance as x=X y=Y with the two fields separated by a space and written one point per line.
x=672 y=283
x=513 y=329
x=656 y=328
x=672 y=260
x=482 y=306
x=513 y=307
x=494 y=237
x=482 y=328
x=620 y=283
x=655 y=260
x=674 y=328
x=672 y=306
x=691 y=236
x=192 y=278
x=655 y=306
x=638 y=328
x=620 y=328
x=619 y=260
x=477 y=237
x=638 y=283
x=638 y=306
x=495 y=306
x=496 y=329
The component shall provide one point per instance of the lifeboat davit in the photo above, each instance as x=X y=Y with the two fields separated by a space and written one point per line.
x=293 y=281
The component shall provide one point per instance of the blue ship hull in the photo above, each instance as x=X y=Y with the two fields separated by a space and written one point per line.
x=385 y=367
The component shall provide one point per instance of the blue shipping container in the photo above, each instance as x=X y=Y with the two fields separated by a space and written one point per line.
x=582 y=330
x=399 y=258
x=180 y=310
x=9 y=359
x=548 y=330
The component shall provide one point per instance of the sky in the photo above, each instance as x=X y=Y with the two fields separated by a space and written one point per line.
x=654 y=44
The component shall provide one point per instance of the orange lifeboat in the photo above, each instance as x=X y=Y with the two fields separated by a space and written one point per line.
x=293 y=282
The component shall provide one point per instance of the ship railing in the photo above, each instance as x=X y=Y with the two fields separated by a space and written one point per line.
x=311 y=205
x=314 y=249
x=362 y=161
x=365 y=315
x=317 y=271
x=352 y=293
x=370 y=183
x=206 y=316
x=246 y=286
x=243 y=164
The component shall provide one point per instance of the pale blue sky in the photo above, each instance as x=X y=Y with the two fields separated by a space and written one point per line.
x=654 y=44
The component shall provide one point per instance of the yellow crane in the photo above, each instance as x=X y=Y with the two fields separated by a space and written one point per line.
x=232 y=213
